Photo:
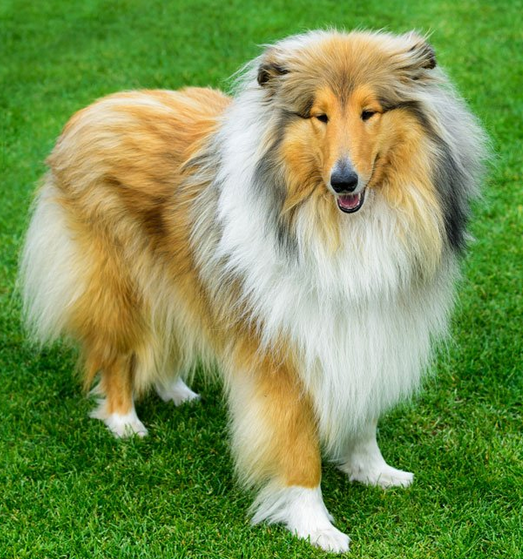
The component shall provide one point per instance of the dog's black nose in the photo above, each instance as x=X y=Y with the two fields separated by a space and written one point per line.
x=344 y=178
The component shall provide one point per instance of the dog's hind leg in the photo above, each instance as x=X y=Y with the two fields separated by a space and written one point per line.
x=107 y=318
x=116 y=407
x=276 y=444
x=365 y=463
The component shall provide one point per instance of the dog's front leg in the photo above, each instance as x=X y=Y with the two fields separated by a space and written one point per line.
x=364 y=462
x=275 y=442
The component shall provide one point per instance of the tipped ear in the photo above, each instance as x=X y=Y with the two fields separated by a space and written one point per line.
x=420 y=57
x=268 y=71
x=425 y=55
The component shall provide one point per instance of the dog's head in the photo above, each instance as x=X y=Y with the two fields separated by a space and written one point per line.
x=345 y=112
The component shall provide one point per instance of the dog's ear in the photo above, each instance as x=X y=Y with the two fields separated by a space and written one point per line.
x=269 y=70
x=418 y=58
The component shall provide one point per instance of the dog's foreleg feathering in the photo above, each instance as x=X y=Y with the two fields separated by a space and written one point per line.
x=364 y=462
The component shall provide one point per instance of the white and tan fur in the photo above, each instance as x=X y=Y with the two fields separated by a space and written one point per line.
x=182 y=227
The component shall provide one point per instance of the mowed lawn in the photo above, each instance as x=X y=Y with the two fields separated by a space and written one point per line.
x=69 y=490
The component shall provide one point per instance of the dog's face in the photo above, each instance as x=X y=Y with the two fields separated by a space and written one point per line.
x=336 y=100
x=346 y=138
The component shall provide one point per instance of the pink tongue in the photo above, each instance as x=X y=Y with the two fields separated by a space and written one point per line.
x=349 y=201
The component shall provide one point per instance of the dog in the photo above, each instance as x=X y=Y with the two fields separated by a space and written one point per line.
x=304 y=235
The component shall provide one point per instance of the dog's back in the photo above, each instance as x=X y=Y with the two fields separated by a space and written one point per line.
x=99 y=221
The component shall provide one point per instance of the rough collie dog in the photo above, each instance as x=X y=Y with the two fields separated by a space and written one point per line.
x=303 y=235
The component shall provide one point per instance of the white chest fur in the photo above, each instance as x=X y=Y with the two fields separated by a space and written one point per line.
x=361 y=319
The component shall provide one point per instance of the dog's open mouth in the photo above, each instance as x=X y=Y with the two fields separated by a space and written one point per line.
x=350 y=203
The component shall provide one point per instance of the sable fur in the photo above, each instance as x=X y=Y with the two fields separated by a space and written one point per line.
x=182 y=227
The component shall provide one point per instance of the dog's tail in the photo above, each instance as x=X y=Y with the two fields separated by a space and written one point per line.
x=49 y=278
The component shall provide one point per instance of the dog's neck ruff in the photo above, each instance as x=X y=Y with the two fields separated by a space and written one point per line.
x=358 y=318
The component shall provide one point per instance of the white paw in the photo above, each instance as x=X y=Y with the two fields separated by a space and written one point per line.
x=303 y=512
x=328 y=539
x=125 y=426
x=385 y=476
x=177 y=392
x=121 y=425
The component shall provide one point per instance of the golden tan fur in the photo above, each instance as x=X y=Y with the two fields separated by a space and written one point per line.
x=152 y=284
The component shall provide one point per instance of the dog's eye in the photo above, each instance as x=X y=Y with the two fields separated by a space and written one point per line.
x=365 y=115
x=323 y=118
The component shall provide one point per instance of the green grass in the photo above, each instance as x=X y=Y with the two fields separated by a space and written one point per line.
x=67 y=489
